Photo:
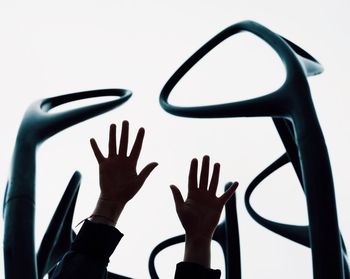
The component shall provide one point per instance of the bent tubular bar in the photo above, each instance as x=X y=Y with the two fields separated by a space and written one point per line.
x=298 y=234
x=19 y=201
x=59 y=234
x=292 y=104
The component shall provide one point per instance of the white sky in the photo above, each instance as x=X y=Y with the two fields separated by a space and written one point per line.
x=58 y=47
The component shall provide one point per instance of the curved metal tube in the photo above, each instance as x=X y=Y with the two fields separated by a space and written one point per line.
x=292 y=104
x=160 y=247
x=298 y=64
x=19 y=201
x=59 y=234
x=298 y=234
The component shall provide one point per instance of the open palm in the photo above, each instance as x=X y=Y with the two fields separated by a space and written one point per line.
x=200 y=212
x=119 y=180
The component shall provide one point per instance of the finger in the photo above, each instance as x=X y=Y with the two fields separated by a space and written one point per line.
x=214 y=179
x=146 y=172
x=124 y=138
x=192 y=176
x=96 y=150
x=229 y=193
x=203 y=182
x=136 y=149
x=112 y=141
x=178 y=199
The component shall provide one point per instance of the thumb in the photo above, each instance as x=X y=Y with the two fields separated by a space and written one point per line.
x=146 y=172
x=229 y=193
x=178 y=199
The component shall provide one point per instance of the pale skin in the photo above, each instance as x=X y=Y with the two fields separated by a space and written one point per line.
x=200 y=212
x=119 y=180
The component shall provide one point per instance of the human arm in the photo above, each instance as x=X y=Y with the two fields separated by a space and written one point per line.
x=89 y=253
x=200 y=212
x=119 y=182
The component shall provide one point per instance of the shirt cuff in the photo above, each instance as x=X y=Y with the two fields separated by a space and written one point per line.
x=194 y=270
x=97 y=240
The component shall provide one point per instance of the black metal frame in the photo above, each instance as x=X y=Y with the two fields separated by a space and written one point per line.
x=294 y=116
x=38 y=125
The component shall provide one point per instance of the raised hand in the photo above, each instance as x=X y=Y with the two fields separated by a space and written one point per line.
x=201 y=211
x=119 y=180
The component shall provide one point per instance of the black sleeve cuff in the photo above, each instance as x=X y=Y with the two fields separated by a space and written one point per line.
x=193 y=270
x=97 y=240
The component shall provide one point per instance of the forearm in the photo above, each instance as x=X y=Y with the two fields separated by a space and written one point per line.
x=89 y=254
x=196 y=262
x=197 y=250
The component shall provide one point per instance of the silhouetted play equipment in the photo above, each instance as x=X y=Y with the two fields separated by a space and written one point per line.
x=294 y=116
x=39 y=124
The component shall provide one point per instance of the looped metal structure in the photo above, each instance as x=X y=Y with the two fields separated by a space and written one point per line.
x=293 y=113
x=38 y=125
x=298 y=234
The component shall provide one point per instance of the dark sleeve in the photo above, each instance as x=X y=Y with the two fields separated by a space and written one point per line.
x=185 y=270
x=89 y=253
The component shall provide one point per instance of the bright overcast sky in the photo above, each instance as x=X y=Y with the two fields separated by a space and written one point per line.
x=50 y=48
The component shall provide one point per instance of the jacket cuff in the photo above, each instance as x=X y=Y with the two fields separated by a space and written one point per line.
x=97 y=240
x=194 y=270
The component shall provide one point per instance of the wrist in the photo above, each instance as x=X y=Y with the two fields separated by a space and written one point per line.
x=197 y=239
x=197 y=250
x=106 y=212
x=100 y=219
